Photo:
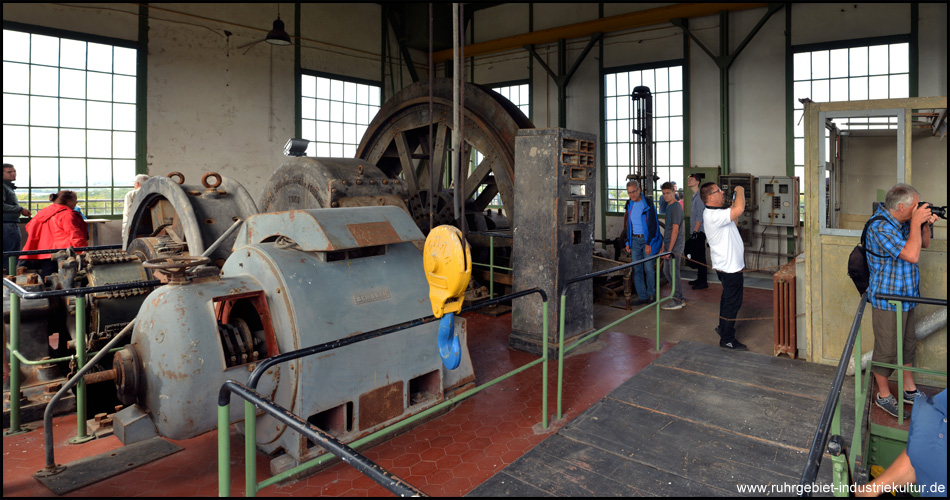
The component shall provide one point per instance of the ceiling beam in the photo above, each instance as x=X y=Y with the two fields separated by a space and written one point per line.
x=603 y=25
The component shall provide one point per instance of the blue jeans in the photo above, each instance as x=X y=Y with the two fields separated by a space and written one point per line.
x=11 y=242
x=644 y=290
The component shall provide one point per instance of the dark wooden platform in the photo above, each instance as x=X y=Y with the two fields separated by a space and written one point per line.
x=698 y=421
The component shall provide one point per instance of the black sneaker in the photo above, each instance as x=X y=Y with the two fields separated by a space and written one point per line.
x=700 y=286
x=910 y=396
x=733 y=345
x=889 y=405
x=693 y=282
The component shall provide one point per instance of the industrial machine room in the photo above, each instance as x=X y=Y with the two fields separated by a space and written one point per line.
x=474 y=249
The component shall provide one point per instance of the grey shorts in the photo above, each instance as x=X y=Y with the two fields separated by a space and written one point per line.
x=885 y=338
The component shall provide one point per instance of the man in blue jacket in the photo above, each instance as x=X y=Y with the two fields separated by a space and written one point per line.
x=643 y=238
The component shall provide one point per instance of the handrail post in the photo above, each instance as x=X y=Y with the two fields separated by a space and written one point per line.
x=560 y=353
x=14 y=366
x=81 y=435
x=11 y=264
x=250 y=449
x=224 y=452
x=857 y=440
x=900 y=361
x=491 y=267
x=656 y=262
x=544 y=364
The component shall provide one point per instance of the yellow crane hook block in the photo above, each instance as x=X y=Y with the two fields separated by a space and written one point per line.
x=448 y=263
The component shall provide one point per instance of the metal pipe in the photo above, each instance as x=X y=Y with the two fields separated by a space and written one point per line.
x=381 y=476
x=14 y=365
x=80 y=363
x=456 y=63
x=24 y=294
x=214 y=246
x=48 y=414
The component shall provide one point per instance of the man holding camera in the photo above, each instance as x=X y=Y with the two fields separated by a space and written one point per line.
x=728 y=257
x=893 y=252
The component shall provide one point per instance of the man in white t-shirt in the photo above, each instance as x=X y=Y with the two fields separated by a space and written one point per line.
x=727 y=253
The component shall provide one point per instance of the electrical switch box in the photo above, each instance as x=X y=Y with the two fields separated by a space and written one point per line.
x=728 y=184
x=777 y=201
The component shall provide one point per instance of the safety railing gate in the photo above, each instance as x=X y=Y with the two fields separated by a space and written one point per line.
x=386 y=479
x=567 y=286
x=843 y=456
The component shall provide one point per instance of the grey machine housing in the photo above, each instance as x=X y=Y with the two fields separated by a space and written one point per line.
x=294 y=279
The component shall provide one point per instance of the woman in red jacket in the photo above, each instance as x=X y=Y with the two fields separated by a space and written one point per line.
x=56 y=226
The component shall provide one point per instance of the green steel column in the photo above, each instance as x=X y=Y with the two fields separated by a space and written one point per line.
x=14 y=366
x=81 y=435
x=491 y=270
x=656 y=262
x=857 y=438
x=839 y=470
x=544 y=365
x=224 y=452
x=250 y=450
x=724 y=92
x=11 y=266
x=560 y=354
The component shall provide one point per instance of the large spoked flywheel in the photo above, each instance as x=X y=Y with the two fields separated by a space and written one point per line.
x=397 y=141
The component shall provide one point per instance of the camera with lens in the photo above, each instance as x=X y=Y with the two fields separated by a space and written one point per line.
x=938 y=211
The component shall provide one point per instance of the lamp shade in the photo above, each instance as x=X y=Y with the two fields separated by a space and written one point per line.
x=278 y=36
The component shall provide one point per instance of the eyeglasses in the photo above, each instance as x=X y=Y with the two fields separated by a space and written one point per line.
x=716 y=191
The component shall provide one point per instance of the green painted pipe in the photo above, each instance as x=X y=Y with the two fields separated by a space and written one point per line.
x=224 y=452
x=14 y=365
x=80 y=362
x=250 y=450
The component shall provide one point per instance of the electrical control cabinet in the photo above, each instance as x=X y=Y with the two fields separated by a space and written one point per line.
x=553 y=232
x=777 y=201
x=728 y=184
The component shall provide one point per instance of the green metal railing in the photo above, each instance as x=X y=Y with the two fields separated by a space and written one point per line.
x=563 y=310
x=16 y=357
x=250 y=416
x=843 y=468
x=491 y=258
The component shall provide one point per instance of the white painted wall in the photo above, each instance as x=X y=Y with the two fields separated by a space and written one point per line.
x=212 y=106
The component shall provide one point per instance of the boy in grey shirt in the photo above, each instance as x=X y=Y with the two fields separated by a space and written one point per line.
x=673 y=241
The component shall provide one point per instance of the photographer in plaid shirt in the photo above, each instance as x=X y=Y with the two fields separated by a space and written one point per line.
x=899 y=238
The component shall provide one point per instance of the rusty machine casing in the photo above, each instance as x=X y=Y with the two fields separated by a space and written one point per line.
x=554 y=232
x=295 y=279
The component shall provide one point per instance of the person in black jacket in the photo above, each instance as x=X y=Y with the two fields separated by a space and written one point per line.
x=11 y=214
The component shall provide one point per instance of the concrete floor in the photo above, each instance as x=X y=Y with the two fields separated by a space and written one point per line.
x=697 y=321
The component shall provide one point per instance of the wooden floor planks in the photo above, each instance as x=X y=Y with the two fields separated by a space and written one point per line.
x=697 y=421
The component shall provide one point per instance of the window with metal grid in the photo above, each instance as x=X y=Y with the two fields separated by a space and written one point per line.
x=69 y=118
x=665 y=81
x=335 y=112
x=846 y=71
